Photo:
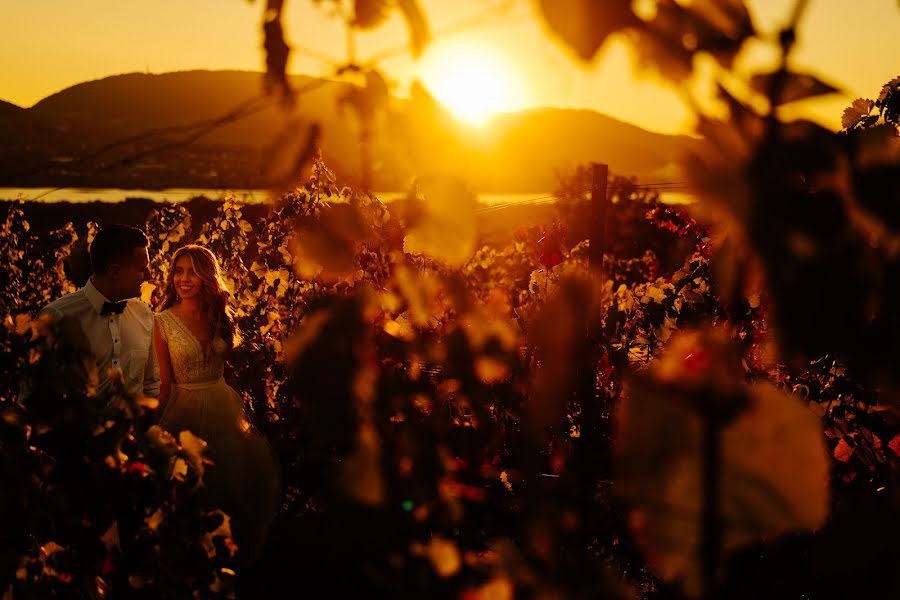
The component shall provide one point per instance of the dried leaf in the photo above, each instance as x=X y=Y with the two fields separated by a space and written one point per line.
x=419 y=35
x=194 y=450
x=657 y=53
x=110 y=539
x=360 y=472
x=584 y=25
x=504 y=479
x=154 y=520
x=498 y=588
x=400 y=328
x=327 y=247
x=259 y=269
x=796 y=86
x=307 y=333
x=162 y=440
x=894 y=444
x=843 y=451
x=447 y=229
x=222 y=531
x=179 y=469
x=369 y=13
x=277 y=50
x=444 y=556
x=719 y=27
x=288 y=153
x=491 y=370
x=367 y=99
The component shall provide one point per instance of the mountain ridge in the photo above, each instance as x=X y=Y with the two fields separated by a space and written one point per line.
x=516 y=151
x=9 y=107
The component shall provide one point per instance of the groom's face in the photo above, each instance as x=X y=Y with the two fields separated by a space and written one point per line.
x=132 y=273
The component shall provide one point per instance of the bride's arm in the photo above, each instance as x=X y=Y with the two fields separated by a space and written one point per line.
x=165 y=367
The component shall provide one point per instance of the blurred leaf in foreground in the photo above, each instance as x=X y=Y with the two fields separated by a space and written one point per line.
x=447 y=228
x=774 y=469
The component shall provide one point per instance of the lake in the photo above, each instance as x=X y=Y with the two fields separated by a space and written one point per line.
x=176 y=195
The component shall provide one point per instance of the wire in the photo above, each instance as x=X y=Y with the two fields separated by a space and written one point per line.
x=316 y=54
x=202 y=128
x=205 y=127
x=234 y=114
x=548 y=199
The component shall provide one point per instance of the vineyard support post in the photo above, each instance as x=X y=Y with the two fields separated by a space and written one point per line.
x=592 y=454
x=599 y=216
x=590 y=408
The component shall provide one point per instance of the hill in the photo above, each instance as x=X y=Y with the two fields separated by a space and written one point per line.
x=64 y=139
x=8 y=108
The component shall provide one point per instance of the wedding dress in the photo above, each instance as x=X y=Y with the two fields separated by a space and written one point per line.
x=244 y=480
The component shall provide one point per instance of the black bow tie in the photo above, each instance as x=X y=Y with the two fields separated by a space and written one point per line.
x=113 y=307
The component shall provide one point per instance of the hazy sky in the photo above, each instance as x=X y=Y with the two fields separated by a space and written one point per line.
x=48 y=45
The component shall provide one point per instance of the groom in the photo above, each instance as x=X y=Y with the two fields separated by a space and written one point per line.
x=118 y=326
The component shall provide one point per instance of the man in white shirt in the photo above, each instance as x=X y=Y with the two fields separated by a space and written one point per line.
x=118 y=326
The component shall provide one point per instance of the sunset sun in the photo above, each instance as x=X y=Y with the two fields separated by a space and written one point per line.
x=473 y=82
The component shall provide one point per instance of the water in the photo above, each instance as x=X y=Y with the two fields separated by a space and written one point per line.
x=176 y=195
x=113 y=195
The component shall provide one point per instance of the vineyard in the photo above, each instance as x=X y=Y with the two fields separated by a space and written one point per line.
x=453 y=419
x=485 y=405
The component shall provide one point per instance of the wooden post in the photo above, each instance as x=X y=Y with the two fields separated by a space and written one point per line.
x=592 y=450
x=599 y=215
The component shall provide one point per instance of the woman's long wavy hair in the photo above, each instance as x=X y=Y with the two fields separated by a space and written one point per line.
x=214 y=295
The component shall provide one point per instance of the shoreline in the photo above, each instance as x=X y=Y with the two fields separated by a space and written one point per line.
x=73 y=196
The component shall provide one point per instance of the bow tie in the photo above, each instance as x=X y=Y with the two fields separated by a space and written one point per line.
x=113 y=307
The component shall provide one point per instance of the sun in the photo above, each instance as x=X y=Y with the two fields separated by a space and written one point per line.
x=474 y=82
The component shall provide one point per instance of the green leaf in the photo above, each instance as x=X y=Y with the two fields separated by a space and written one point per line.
x=259 y=269
x=856 y=112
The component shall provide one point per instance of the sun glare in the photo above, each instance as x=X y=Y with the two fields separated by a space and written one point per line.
x=474 y=82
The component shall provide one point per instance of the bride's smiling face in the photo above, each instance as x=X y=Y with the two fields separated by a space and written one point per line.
x=185 y=279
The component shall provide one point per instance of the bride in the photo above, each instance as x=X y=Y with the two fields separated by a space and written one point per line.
x=193 y=334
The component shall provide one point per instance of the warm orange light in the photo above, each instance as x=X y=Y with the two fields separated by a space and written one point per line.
x=474 y=82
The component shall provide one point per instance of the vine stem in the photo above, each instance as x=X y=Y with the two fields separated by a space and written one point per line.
x=786 y=38
x=710 y=532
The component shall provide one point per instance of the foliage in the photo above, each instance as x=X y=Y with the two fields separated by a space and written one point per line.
x=33 y=266
x=809 y=216
x=443 y=410
x=97 y=500
x=445 y=404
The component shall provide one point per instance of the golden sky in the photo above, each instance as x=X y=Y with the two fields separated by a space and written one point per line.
x=48 y=45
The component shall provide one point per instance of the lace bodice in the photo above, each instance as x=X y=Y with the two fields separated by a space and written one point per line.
x=190 y=364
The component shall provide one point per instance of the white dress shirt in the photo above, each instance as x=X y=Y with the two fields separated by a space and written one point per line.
x=119 y=341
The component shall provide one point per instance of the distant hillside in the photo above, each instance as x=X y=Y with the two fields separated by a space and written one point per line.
x=7 y=108
x=515 y=152
x=539 y=142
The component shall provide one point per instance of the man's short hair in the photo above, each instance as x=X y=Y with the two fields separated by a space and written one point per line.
x=115 y=244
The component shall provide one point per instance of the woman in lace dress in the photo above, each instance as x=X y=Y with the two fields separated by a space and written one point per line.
x=194 y=332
